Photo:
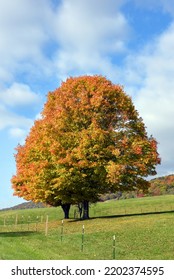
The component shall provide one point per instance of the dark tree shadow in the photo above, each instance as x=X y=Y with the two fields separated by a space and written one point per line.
x=17 y=234
x=125 y=215
x=134 y=214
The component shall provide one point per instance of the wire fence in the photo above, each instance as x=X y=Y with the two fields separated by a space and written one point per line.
x=24 y=222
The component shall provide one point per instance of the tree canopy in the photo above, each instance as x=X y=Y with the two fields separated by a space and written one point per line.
x=89 y=141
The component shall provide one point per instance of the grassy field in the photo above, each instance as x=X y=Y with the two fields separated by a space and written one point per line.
x=143 y=229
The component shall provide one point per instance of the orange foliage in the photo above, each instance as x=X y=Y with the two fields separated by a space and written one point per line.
x=89 y=141
x=162 y=185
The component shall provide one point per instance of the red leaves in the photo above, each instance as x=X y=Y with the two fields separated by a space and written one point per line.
x=89 y=141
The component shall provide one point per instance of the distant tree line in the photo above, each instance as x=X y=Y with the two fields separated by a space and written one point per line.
x=158 y=186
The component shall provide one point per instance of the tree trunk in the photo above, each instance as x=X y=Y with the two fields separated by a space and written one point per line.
x=80 y=207
x=66 y=208
x=85 y=209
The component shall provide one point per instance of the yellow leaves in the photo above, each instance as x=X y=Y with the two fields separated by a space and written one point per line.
x=114 y=171
x=90 y=134
x=116 y=152
x=137 y=148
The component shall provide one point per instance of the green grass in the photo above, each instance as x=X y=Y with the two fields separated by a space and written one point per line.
x=144 y=229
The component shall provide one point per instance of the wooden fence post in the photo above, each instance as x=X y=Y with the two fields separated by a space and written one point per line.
x=61 y=232
x=46 y=226
x=37 y=223
x=28 y=223
x=114 y=247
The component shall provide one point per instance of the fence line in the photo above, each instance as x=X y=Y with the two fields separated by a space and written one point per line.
x=40 y=223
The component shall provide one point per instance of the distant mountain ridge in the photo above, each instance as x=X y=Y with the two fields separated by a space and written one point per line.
x=26 y=205
x=162 y=185
x=159 y=186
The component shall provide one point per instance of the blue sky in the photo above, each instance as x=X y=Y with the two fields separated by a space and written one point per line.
x=42 y=42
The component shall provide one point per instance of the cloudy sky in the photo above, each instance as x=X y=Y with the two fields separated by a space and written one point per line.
x=42 y=42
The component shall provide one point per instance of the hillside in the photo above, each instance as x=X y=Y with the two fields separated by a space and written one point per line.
x=143 y=230
x=162 y=185
x=159 y=186
x=25 y=205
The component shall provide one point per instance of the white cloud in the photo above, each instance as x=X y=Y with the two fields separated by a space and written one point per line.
x=16 y=132
x=84 y=34
x=88 y=32
x=18 y=95
x=25 y=27
x=152 y=82
x=84 y=24
x=10 y=119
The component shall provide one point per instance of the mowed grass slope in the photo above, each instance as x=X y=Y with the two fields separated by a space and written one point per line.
x=144 y=229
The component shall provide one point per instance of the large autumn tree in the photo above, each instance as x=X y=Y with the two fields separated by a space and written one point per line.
x=90 y=140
